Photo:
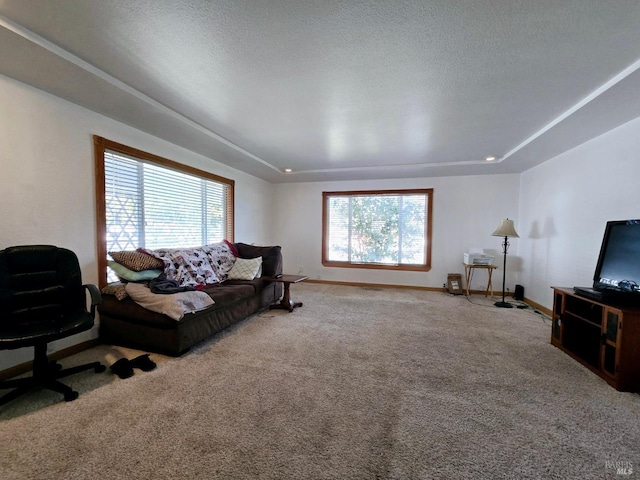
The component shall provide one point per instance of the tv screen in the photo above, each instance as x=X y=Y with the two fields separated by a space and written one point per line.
x=618 y=265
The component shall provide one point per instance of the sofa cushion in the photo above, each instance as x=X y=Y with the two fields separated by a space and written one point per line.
x=224 y=294
x=271 y=257
x=130 y=276
x=117 y=289
x=174 y=305
x=136 y=260
x=246 y=269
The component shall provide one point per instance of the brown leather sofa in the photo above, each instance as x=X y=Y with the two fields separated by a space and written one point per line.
x=124 y=322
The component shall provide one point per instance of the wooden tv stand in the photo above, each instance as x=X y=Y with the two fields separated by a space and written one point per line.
x=605 y=338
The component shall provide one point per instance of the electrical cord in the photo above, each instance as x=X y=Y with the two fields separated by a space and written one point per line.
x=520 y=305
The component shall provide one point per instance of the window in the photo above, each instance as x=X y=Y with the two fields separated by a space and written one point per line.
x=148 y=201
x=388 y=229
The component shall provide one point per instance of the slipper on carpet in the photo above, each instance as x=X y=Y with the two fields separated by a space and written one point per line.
x=122 y=368
x=143 y=362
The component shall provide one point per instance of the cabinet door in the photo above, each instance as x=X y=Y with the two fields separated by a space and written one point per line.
x=610 y=334
x=556 y=322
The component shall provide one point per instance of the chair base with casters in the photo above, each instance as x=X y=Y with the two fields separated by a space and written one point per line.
x=46 y=375
x=42 y=299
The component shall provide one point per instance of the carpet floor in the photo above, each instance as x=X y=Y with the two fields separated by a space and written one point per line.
x=359 y=383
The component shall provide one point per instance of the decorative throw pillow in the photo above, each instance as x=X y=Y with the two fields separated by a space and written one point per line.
x=136 y=260
x=117 y=289
x=245 y=269
x=271 y=257
x=130 y=276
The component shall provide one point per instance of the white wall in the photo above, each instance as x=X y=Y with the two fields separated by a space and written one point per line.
x=466 y=210
x=565 y=204
x=47 y=181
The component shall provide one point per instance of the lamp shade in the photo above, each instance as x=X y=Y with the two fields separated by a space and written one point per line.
x=506 y=229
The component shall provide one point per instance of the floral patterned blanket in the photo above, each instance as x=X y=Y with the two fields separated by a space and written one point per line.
x=198 y=265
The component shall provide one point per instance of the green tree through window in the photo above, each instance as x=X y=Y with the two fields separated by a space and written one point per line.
x=377 y=229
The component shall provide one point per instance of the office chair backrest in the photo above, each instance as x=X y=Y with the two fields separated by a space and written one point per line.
x=39 y=283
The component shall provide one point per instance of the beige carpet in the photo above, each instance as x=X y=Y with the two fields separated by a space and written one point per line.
x=359 y=383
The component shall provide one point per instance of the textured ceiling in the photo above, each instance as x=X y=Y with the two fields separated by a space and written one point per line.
x=340 y=89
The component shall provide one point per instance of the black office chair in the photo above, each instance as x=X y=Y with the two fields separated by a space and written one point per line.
x=42 y=299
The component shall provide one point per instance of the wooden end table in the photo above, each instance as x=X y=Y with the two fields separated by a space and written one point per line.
x=286 y=303
x=468 y=272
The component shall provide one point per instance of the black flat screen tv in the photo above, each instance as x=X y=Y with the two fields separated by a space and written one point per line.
x=617 y=274
x=618 y=265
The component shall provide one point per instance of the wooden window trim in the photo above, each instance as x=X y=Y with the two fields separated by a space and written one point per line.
x=376 y=266
x=100 y=145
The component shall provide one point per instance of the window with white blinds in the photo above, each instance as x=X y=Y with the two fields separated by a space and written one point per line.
x=151 y=202
x=377 y=229
x=155 y=207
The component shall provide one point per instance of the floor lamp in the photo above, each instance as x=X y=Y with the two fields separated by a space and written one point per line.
x=506 y=230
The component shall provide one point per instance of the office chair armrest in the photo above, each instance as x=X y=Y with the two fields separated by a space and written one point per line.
x=96 y=297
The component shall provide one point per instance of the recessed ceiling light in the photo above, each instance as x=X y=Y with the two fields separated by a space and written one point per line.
x=491 y=158
x=288 y=170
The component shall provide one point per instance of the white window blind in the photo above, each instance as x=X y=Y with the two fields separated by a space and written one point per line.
x=151 y=206
x=377 y=228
